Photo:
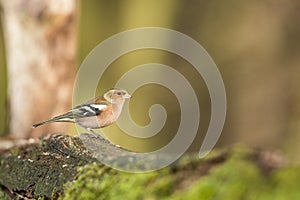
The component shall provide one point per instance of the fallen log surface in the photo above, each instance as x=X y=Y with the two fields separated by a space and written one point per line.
x=61 y=167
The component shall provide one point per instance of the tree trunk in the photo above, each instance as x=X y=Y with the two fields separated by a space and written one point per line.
x=41 y=48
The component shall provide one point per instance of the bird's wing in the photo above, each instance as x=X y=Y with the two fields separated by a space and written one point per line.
x=87 y=110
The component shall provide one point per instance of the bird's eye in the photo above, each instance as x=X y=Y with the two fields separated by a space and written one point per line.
x=119 y=93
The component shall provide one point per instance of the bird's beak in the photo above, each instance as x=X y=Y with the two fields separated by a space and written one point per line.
x=127 y=96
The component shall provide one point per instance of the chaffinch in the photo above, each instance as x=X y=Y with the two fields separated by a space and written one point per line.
x=96 y=113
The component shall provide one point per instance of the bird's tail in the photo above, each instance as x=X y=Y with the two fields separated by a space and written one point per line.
x=42 y=123
x=61 y=118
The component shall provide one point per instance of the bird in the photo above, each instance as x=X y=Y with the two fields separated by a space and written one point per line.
x=96 y=113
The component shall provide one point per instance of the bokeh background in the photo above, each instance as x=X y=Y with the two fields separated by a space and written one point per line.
x=255 y=45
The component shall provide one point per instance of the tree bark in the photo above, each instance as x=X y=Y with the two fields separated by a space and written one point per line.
x=41 y=48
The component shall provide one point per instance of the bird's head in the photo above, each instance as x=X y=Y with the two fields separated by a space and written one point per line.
x=116 y=95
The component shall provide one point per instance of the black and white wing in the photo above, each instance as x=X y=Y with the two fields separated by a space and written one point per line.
x=87 y=110
x=84 y=110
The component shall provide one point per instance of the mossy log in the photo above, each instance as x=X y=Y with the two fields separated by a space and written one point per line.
x=60 y=167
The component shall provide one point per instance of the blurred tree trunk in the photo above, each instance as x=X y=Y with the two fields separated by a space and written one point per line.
x=41 y=44
x=3 y=85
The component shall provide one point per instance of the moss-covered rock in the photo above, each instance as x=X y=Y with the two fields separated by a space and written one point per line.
x=234 y=174
x=40 y=169
x=4 y=196
x=61 y=167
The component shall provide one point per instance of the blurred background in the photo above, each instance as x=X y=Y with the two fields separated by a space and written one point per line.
x=255 y=45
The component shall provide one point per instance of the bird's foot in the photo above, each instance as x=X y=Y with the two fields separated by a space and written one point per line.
x=98 y=136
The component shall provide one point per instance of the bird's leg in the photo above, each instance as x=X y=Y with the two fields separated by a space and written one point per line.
x=92 y=131
x=95 y=134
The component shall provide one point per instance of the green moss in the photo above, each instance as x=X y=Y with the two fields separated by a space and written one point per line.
x=98 y=182
x=4 y=196
x=240 y=178
x=234 y=179
x=231 y=176
x=14 y=151
x=284 y=185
